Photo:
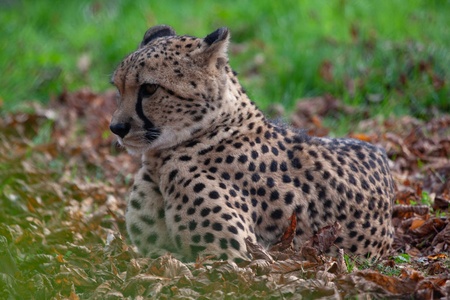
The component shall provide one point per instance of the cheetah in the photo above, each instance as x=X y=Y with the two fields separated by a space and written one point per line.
x=215 y=171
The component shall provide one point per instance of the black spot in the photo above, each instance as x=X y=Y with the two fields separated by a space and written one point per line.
x=243 y=158
x=229 y=159
x=198 y=201
x=288 y=198
x=226 y=176
x=161 y=213
x=135 y=229
x=172 y=175
x=275 y=151
x=223 y=256
x=238 y=175
x=271 y=228
x=296 y=163
x=359 y=198
x=220 y=148
x=136 y=204
x=232 y=229
x=226 y=217
x=273 y=166
x=235 y=244
x=208 y=237
x=205 y=211
x=274 y=195
x=196 y=238
x=313 y=153
x=214 y=195
x=254 y=154
x=283 y=166
x=351 y=225
x=204 y=151
x=217 y=226
x=199 y=187
x=261 y=191
x=318 y=165
x=264 y=205
x=147 y=220
x=256 y=177
x=360 y=155
x=276 y=214
x=305 y=188
x=364 y=184
x=286 y=178
x=312 y=210
x=264 y=149
x=340 y=188
x=270 y=182
x=223 y=243
x=146 y=177
x=262 y=167
x=309 y=176
x=351 y=179
x=152 y=238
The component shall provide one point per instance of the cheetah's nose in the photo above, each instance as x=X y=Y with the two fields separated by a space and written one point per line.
x=121 y=129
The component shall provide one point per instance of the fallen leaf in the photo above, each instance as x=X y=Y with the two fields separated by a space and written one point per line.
x=257 y=251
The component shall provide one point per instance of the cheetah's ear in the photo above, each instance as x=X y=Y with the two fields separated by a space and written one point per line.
x=214 y=47
x=156 y=32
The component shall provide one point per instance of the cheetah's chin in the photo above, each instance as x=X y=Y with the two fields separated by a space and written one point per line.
x=133 y=149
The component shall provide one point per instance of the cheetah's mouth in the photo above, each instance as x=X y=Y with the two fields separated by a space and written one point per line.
x=139 y=142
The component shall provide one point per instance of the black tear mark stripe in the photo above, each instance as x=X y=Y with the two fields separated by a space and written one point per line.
x=148 y=125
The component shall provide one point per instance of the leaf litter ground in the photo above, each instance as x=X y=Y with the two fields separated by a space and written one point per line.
x=63 y=185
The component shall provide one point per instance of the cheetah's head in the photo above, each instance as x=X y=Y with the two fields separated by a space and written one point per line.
x=169 y=89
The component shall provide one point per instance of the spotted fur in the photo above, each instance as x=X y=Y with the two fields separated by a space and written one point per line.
x=215 y=171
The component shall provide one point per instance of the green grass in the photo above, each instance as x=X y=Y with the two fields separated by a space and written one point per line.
x=398 y=52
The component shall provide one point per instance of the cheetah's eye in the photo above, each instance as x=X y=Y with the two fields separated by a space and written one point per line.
x=147 y=90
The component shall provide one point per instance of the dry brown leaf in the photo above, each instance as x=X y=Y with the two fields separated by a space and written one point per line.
x=325 y=237
x=257 y=251
x=287 y=239
x=288 y=266
x=260 y=266
x=432 y=226
x=391 y=284
x=416 y=223
x=169 y=267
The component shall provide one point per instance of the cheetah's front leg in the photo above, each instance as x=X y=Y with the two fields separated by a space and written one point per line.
x=145 y=217
x=203 y=220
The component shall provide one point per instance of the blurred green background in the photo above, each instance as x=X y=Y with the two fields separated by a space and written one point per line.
x=391 y=56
